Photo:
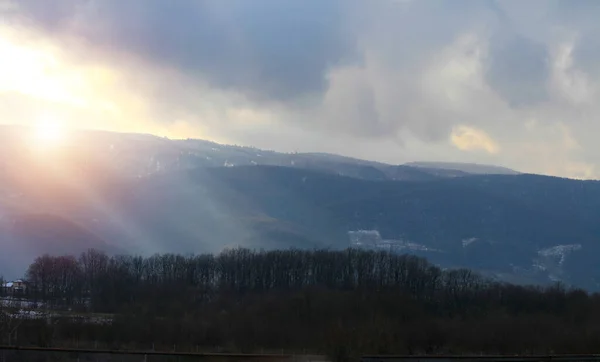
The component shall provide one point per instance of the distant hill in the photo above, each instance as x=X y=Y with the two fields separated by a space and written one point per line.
x=513 y=226
x=525 y=225
x=138 y=155
x=143 y=194
x=469 y=168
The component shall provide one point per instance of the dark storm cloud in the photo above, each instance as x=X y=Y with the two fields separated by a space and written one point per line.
x=268 y=49
x=280 y=50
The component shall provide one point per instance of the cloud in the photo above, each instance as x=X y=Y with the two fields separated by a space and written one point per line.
x=252 y=46
x=518 y=68
x=470 y=139
x=506 y=82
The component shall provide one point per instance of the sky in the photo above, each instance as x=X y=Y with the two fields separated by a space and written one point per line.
x=512 y=83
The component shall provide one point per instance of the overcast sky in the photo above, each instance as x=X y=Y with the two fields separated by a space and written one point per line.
x=512 y=83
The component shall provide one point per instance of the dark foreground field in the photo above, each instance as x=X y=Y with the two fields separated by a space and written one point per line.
x=17 y=354
x=8 y=353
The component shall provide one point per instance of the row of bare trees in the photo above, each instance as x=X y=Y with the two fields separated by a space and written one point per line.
x=344 y=303
x=108 y=283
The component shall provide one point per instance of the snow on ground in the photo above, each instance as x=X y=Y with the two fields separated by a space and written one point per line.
x=25 y=309
x=467 y=242
x=371 y=239
x=559 y=252
x=19 y=303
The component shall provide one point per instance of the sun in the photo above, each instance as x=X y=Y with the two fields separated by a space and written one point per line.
x=49 y=132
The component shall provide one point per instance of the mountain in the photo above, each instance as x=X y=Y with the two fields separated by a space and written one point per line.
x=129 y=193
x=139 y=155
x=468 y=168
x=527 y=226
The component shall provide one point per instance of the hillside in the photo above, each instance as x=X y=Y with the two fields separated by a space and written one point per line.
x=502 y=224
x=139 y=155
x=468 y=168
x=143 y=194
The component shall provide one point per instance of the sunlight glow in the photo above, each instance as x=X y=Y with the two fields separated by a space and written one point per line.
x=49 y=132
x=36 y=73
x=41 y=76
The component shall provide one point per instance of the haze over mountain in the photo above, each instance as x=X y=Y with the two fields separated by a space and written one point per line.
x=129 y=193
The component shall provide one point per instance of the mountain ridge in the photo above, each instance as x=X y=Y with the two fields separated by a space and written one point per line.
x=140 y=194
x=143 y=154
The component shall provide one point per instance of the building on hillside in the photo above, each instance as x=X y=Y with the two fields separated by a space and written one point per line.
x=17 y=287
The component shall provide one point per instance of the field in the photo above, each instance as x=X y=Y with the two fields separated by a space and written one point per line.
x=11 y=353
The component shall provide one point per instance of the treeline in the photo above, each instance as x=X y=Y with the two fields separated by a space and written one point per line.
x=108 y=284
x=344 y=303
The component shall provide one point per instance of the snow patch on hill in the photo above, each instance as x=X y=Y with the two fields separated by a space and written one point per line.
x=559 y=252
x=551 y=260
x=467 y=242
x=371 y=239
